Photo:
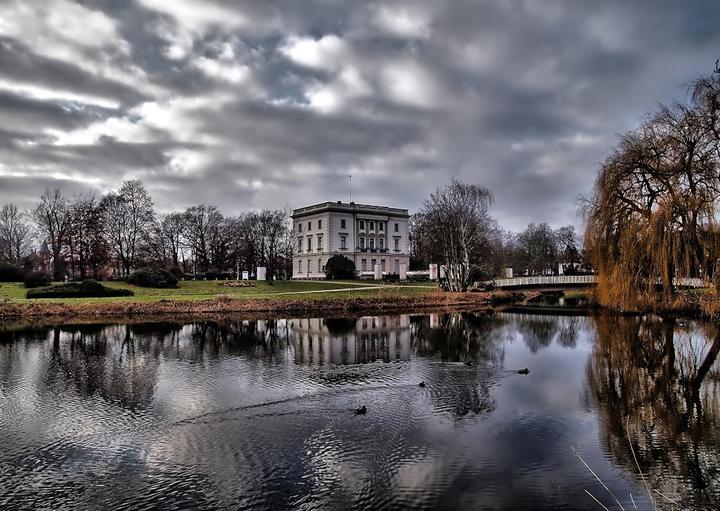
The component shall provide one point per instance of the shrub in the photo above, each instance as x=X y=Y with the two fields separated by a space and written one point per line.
x=10 y=273
x=179 y=274
x=37 y=279
x=218 y=275
x=153 y=277
x=84 y=289
x=339 y=267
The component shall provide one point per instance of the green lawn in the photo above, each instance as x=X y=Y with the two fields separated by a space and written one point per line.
x=203 y=290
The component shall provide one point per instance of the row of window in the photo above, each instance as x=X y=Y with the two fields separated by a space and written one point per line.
x=343 y=225
x=373 y=262
x=380 y=225
x=309 y=225
x=311 y=266
x=381 y=243
x=343 y=243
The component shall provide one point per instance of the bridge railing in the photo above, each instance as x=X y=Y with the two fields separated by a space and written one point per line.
x=561 y=280
x=546 y=281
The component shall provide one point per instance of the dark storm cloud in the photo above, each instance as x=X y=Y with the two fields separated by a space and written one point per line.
x=20 y=64
x=273 y=103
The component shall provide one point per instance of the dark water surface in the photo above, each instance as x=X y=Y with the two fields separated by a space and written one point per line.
x=260 y=414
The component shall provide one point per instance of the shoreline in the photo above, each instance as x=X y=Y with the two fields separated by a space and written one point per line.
x=260 y=306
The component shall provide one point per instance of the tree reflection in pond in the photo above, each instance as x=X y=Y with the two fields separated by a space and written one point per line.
x=656 y=382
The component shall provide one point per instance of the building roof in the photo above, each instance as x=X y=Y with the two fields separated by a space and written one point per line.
x=349 y=207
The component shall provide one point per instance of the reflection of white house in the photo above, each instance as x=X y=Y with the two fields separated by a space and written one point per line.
x=368 y=235
x=372 y=338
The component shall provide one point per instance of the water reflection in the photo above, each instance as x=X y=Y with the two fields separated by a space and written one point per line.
x=656 y=383
x=258 y=414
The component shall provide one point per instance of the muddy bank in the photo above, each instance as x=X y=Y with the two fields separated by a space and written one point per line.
x=265 y=307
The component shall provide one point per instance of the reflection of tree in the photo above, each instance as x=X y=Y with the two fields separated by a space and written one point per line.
x=537 y=331
x=340 y=326
x=460 y=337
x=652 y=376
x=120 y=362
x=104 y=361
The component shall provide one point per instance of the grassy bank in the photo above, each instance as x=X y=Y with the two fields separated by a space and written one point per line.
x=204 y=290
x=260 y=297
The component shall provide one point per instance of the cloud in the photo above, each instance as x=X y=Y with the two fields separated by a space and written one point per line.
x=263 y=104
x=324 y=53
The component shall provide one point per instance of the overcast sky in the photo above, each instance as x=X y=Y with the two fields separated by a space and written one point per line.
x=252 y=104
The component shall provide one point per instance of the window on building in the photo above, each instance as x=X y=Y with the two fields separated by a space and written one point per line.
x=372 y=243
x=299 y=226
x=300 y=266
x=362 y=243
x=397 y=266
x=372 y=225
x=397 y=244
x=319 y=224
x=363 y=264
x=299 y=245
x=320 y=266
x=362 y=224
x=382 y=264
x=397 y=227
x=343 y=242
x=320 y=242
x=309 y=226
x=373 y=262
x=381 y=226
x=382 y=243
x=309 y=244
x=342 y=223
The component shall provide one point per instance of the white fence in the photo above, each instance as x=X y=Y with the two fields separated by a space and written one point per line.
x=559 y=280
x=562 y=280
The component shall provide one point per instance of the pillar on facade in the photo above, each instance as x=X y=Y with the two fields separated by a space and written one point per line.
x=378 y=272
x=403 y=271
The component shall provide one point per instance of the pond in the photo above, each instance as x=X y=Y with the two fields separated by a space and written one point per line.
x=243 y=414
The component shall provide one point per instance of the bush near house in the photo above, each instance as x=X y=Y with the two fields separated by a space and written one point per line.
x=10 y=273
x=153 y=277
x=84 y=289
x=37 y=279
x=339 y=267
x=177 y=272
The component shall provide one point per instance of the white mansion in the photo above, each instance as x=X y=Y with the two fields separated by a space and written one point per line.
x=368 y=235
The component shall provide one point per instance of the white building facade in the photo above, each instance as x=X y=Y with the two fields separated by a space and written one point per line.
x=368 y=235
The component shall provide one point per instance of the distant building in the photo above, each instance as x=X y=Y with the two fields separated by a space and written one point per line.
x=368 y=235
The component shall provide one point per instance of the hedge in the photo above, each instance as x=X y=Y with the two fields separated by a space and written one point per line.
x=84 y=289
x=10 y=273
x=37 y=279
x=153 y=277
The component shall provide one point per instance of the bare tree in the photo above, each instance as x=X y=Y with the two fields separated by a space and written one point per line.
x=201 y=226
x=52 y=218
x=15 y=234
x=129 y=218
x=273 y=227
x=456 y=218
x=88 y=251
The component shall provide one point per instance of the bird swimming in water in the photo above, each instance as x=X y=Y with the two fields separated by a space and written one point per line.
x=524 y=371
x=469 y=363
x=421 y=385
x=361 y=411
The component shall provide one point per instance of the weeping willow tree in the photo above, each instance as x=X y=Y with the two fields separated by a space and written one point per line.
x=652 y=217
